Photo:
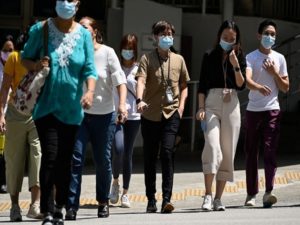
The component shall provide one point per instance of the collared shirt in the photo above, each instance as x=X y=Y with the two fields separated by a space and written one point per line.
x=212 y=71
x=156 y=72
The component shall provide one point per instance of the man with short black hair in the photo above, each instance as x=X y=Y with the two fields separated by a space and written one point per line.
x=266 y=74
x=161 y=93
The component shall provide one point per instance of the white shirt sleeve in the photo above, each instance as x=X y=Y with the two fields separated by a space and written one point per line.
x=117 y=75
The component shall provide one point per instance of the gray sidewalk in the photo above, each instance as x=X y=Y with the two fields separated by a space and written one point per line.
x=187 y=197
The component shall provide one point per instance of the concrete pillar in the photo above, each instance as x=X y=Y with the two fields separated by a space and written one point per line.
x=27 y=11
x=203 y=7
x=228 y=9
x=114 y=4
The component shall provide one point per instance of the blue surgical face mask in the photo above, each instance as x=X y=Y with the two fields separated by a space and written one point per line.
x=226 y=46
x=267 y=41
x=165 y=42
x=127 y=54
x=65 y=10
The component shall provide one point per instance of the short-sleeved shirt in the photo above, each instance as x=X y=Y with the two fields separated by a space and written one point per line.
x=71 y=63
x=15 y=69
x=257 y=101
x=174 y=70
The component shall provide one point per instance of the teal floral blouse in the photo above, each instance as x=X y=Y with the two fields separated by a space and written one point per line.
x=71 y=63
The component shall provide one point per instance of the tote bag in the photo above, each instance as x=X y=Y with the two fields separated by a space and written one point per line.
x=30 y=86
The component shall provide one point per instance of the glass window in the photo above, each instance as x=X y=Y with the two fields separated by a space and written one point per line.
x=11 y=7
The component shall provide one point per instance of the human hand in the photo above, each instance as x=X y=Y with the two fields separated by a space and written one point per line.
x=87 y=99
x=233 y=59
x=43 y=62
x=269 y=65
x=142 y=106
x=2 y=124
x=200 y=115
x=180 y=111
x=264 y=90
x=122 y=113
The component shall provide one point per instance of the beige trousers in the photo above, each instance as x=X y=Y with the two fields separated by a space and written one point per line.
x=223 y=121
x=21 y=145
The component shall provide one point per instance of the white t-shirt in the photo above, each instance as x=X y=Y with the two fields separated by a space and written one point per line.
x=258 y=102
x=131 y=93
x=110 y=75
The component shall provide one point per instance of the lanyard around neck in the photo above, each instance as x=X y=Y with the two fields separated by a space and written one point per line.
x=224 y=66
x=162 y=71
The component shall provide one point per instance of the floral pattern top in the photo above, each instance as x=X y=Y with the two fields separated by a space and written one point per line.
x=71 y=63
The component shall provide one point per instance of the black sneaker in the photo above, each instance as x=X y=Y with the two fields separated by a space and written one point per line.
x=58 y=218
x=48 y=219
x=167 y=207
x=103 y=210
x=70 y=214
x=151 y=206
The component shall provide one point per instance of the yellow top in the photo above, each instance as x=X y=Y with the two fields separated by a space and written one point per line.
x=14 y=68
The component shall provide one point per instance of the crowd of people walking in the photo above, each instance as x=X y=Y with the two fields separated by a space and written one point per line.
x=92 y=94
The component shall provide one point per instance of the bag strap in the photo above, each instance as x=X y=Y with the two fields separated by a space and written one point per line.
x=45 y=31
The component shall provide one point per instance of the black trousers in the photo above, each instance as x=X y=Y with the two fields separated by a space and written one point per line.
x=159 y=137
x=57 y=143
x=2 y=170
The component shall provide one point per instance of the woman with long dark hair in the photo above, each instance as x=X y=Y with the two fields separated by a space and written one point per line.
x=222 y=74
x=126 y=132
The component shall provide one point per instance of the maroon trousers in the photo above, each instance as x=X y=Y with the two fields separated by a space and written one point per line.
x=262 y=132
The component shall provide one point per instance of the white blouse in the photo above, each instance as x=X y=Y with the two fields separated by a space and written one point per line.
x=110 y=75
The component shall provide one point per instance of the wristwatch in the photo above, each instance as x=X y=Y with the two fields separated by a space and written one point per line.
x=138 y=100
x=237 y=69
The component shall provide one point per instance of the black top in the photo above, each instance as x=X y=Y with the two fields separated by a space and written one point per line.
x=212 y=75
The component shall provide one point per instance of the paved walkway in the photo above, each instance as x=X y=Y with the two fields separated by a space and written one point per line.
x=188 y=186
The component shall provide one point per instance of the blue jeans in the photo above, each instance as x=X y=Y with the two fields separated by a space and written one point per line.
x=123 y=148
x=99 y=129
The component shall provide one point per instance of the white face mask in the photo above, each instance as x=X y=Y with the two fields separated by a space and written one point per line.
x=4 y=55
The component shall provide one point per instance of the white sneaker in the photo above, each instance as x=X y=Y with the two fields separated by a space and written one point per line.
x=218 y=206
x=250 y=200
x=125 y=203
x=207 y=203
x=15 y=213
x=34 y=211
x=114 y=194
x=269 y=199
